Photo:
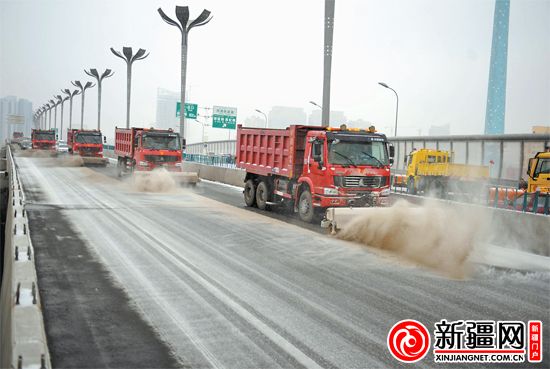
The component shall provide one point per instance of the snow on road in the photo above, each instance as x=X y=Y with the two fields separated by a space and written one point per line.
x=229 y=288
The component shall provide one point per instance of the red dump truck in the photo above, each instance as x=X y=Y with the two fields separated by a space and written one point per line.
x=88 y=144
x=314 y=168
x=141 y=150
x=43 y=139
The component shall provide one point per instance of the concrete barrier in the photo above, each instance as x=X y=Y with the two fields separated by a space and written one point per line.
x=230 y=176
x=509 y=228
x=22 y=334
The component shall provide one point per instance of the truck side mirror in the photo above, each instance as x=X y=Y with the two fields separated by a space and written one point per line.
x=104 y=139
x=183 y=142
x=392 y=151
x=391 y=161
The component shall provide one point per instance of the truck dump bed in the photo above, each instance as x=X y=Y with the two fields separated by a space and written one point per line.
x=463 y=171
x=124 y=138
x=272 y=151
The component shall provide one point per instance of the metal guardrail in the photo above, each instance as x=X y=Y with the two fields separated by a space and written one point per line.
x=22 y=335
x=506 y=197
x=225 y=161
x=507 y=155
x=499 y=197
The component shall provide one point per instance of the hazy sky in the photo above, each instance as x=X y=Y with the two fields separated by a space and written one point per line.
x=257 y=54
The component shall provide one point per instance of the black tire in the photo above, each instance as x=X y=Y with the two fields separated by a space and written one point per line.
x=410 y=186
x=119 y=167
x=305 y=207
x=249 y=193
x=262 y=195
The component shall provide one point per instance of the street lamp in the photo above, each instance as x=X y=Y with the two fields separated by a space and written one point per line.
x=70 y=97
x=52 y=105
x=184 y=25
x=203 y=125
x=315 y=104
x=61 y=101
x=396 y=106
x=93 y=72
x=265 y=116
x=57 y=102
x=82 y=91
x=129 y=57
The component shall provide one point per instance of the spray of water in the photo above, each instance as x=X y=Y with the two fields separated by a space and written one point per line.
x=158 y=180
x=434 y=235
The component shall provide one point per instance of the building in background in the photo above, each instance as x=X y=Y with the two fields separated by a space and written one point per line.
x=443 y=130
x=24 y=108
x=166 y=109
x=11 y=105
x=283 y=116
x=335 y=120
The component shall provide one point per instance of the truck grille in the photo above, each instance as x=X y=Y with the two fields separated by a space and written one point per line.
x=88 y=151
x=370 y=182
x=161 y=159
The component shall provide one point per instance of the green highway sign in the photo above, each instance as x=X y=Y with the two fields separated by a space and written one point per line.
x=191 y=110
x=224 y=117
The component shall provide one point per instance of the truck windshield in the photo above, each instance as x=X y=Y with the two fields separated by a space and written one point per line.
x=161 y=141
x=44 y=136
x=88 y=138
x=371 y=153
x=543 y=167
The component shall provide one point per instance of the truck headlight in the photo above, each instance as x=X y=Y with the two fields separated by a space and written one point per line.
x=178 y=164
x=144 y=163
x=330 y=191
x=385 y=192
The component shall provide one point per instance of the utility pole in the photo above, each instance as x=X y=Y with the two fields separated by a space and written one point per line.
x=327 y=61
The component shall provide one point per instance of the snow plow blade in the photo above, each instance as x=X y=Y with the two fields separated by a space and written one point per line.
x=94 y=161
x=186 y=178
x=338 y=218
x=181 y=178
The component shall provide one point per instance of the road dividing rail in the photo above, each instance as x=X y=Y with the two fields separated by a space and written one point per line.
x=22 y=334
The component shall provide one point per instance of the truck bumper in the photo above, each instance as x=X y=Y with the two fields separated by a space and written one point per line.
x=366 y=200
x=94 y=160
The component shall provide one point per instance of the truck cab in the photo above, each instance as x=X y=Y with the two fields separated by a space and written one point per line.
x=347 y=167
x=43 y=139
x=538 y=171
x=144 y=149
x=88 y=143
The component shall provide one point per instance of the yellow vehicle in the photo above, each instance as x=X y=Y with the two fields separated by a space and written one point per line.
x=432 y=171
x=538 y=171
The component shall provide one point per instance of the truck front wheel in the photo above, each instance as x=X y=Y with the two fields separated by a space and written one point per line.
x=305 y=207
x=410 y=186
x=249 y=193
x=262 y=195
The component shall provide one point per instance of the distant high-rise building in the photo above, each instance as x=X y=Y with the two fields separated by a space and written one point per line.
x=24 y=108
x=166 y=109
x=283 y=116
x=10 y=105
x=496 y=92
x=443 y=130
x=335 y=120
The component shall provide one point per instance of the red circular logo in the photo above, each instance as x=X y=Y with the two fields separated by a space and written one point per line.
x=408 y=341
